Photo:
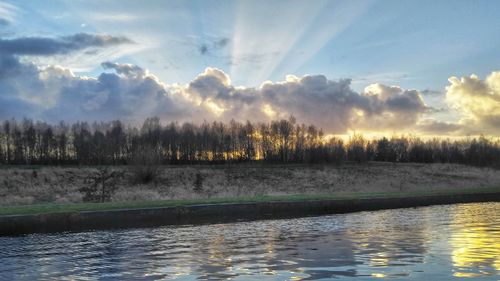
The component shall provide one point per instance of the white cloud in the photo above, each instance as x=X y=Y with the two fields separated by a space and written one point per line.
x=477 y=100
x=132 y=93
x=332 y=105
x=8 y=13
x=110 y=17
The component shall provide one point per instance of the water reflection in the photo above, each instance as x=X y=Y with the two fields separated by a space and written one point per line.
x=475 y=241
x=438 y=243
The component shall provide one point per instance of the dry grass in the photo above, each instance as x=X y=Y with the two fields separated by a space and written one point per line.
x=20 y=186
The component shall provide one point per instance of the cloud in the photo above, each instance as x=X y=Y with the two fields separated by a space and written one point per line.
x=436 y=127
x=55 y=93
x=79 y=52
x=109 y=17
x=43 y=46
x=126 y=69
x=391 y=108
x=131 y=93
x=212 y=45
x=332 y=105
x=7 y=13
x=477 y=100
x=203 y=49
x=430 y=92
x=220 y=43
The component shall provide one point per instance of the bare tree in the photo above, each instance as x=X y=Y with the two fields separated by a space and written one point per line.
x=101 y=185
x=110 y=143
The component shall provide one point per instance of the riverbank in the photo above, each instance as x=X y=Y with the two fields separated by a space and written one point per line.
x=65 y=185
x=18 y=220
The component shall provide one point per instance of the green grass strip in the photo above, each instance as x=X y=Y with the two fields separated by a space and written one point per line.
x=79 y=207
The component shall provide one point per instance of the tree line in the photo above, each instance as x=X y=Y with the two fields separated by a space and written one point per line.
x=280 y=141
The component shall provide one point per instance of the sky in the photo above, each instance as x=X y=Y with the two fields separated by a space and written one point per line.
x=423 y=67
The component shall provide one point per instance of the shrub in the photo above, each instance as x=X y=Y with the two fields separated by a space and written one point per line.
x=102 y=185
x=198 y=182
x=144 y=164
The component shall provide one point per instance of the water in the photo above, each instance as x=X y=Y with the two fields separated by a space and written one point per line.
x=433 y=243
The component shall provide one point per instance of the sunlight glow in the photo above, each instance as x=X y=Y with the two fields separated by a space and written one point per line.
x=215 y=107
x=269 y=111
x=307 y=30
x=473 y=246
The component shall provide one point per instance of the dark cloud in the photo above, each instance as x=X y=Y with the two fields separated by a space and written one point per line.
x=221 y=43
x=44 y=46
x=203 y=49
x=315 y=99
x=9 y=65
x=127 y=69
x=410 y=100
x=213 y=45
x=429 y=92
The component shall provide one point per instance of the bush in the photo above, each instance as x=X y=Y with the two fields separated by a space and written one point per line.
x=144 y=164
x=198 y=182
x=102 y=185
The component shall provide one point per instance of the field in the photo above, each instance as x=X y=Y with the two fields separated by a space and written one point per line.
x=64 y=185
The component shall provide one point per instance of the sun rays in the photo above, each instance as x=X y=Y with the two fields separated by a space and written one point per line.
x=286 y=44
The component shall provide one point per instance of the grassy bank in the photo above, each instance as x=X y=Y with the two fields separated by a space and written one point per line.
x=80 y=207
x=201 y=183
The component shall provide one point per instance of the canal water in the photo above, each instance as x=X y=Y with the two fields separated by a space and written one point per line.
x=429 y=243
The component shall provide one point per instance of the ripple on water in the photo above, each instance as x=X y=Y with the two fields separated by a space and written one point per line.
x=438 y=242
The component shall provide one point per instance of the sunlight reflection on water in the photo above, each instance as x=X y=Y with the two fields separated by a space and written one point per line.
x=439 y=243
x=475 y=242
